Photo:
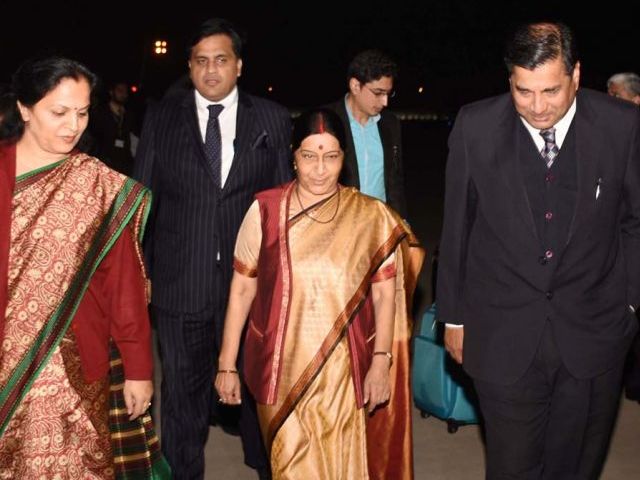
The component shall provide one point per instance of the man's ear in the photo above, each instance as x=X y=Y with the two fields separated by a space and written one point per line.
x=354 y=85
x=575 y=76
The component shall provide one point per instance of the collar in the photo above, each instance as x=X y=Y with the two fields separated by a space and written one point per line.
x=352 y=119
x=228 y=101
x=562 y=127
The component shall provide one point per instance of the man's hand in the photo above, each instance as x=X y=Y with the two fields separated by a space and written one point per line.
x=453 y=340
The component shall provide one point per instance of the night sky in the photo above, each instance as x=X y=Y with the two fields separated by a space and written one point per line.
x=451 y=47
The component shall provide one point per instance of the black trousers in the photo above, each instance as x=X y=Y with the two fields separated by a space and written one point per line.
x=189 y=356
x=549 y=424
x=632 y=371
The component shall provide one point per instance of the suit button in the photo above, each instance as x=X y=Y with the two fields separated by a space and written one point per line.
x=542 y=260
x=548 y=254
x=549 y=295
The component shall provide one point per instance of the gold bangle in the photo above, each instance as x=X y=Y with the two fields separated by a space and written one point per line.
x=386 y=354
x=228 y=371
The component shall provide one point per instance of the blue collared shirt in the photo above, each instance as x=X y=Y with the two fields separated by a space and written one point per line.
x=369 y=155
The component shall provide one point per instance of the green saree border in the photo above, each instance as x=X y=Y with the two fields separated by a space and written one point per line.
x=29 y=178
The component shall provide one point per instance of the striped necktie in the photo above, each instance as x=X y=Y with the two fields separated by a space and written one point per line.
x=550 y=150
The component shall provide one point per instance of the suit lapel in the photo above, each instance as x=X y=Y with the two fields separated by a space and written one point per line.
x=508 y=160
x=243 y=138
x=389 y=149
x=590 y=148
x=349 y=175
x=190 y=116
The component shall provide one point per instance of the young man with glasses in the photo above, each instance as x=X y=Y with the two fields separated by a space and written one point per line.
x=373 y=158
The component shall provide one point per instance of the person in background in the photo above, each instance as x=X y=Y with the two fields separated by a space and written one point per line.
x=325 y=275
x=71 y=280
x=204 y=153
x=539 y=270
x=373 y=159
x=625 y=86
x=111 y=129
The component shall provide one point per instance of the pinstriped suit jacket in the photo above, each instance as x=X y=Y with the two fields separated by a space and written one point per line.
x=191 y=220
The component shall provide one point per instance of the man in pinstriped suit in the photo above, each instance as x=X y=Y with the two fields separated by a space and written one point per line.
x=192 y=230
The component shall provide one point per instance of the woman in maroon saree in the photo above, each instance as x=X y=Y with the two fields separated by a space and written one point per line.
x=71 y=280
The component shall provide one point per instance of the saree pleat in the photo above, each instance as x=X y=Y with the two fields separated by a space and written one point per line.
x=324 y=436
x=389 y=430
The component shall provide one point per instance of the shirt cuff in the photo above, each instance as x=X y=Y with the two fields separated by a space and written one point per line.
x=453 y=325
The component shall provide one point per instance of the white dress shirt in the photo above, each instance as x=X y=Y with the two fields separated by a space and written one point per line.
x=227 y=121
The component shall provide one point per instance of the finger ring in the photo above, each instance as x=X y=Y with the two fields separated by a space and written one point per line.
x=220 y=400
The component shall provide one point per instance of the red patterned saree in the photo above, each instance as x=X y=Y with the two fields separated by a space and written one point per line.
x=57 y=226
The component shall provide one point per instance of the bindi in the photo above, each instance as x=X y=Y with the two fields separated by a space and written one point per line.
x=320 y=147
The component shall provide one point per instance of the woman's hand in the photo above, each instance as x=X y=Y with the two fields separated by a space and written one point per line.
x=241 y=295
x=377 y=389
x=137 y=397
x=228 y=387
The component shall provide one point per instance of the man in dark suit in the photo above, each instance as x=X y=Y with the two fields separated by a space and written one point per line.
x=539 y=270
x=204 y=154
x=373 y=158
x=111 y=126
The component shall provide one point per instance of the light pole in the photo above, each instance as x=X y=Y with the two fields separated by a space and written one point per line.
x=159 y=49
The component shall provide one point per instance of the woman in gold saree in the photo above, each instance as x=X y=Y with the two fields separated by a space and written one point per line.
x=71 y=279
x=324 y=274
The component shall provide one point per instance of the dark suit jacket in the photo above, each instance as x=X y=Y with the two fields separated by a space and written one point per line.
x=490 y=278
x=105 y=130
x=191 y=220
x=389 y=127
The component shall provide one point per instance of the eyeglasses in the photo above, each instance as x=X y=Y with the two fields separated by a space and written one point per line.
x=378 y=92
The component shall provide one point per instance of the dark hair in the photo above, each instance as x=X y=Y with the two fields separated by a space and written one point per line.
x=114 y=83
x=33 y=80
x=371 y=65
x=8 y=112
x=314 y=121
x=535 y=44
x=219 y=26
